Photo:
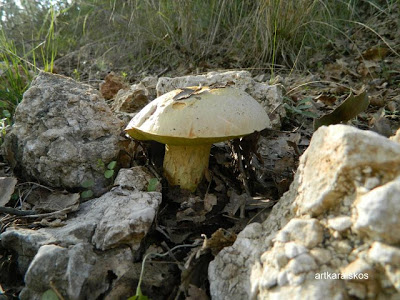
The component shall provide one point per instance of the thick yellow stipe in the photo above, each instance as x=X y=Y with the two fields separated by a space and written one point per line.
x=185 y=165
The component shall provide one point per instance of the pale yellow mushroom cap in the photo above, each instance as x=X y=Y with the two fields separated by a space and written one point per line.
x=195 y=115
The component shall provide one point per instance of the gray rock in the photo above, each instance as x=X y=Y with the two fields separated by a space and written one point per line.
x=241 y=79
x=76 y=272
x=102 y=236
x=62 y=129
x=26 y=243
x=271 y=98
x=127 y=219
x=137 y=178
x=150 y=82
x=7 y=186
x=53 y=259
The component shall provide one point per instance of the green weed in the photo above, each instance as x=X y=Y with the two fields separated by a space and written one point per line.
x=301 y=107
x=20 y=61
x=108 y=173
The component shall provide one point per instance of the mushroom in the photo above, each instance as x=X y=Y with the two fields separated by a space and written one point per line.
x=189 y=120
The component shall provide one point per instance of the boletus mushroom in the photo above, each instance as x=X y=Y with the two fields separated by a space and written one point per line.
x=189 y=120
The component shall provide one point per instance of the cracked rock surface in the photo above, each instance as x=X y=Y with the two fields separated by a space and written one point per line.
x=333 y=235
x=92 y=255
x=62 y=130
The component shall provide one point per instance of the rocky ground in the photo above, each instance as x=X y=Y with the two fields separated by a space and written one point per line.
x=338 y=216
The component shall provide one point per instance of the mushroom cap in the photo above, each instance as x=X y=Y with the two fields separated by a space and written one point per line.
x=198 y=115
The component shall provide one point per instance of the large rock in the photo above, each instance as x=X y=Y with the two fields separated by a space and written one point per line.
x=77 y=272
x=62 y=130
x=333 y=235
x=97 y=242
x=269 y=96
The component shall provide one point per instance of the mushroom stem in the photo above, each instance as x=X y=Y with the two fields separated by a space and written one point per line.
x=185 y=165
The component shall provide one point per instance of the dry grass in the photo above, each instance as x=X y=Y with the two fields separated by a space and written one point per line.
x=149 y=35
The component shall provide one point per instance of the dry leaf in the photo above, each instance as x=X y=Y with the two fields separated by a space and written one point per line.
x=328 y=100
x=220 y=239
x=235 y=202
x=368 y=67
x=196 y=293
x=58 y=201
x=375 y=53
x=380 y=124
x=209 y=201
x=346 y=111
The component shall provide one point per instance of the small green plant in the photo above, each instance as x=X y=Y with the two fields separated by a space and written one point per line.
x=76 y=74
x=301 y=107
x=15 y=77
x=4 y=124
x=139 y=295
x=87 y=184
x=152 y=187
x=108 y=173
x=49 y=295
x=19 y=62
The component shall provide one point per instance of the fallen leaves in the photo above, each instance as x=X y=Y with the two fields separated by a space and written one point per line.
x=195 y=208
x=375 y=53
x=346 y=111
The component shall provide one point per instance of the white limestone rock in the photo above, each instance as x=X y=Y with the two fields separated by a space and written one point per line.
x=306 y=232
x=389 y=258
x=340 y=223
x=378 y=213
x=332 y=165
x=323 y=227
x=384 y=254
